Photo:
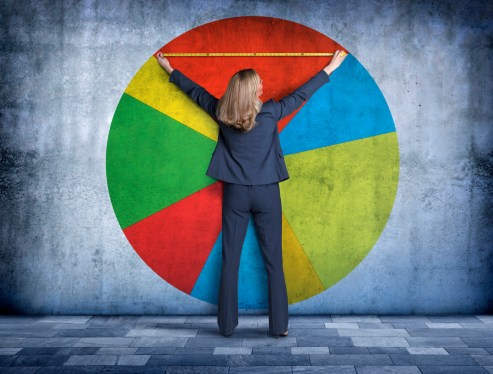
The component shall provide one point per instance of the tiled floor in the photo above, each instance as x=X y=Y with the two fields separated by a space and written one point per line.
x=360 y=344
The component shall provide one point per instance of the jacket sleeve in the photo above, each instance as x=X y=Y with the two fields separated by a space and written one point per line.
x=293 y=101
x=199 y=94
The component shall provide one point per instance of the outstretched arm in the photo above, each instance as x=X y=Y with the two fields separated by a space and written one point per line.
x=199 y=94
x=293 y=101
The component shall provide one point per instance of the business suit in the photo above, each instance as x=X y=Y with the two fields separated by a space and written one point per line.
x=251 y=165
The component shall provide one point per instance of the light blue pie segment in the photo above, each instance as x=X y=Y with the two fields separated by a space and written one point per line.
x=349 y=107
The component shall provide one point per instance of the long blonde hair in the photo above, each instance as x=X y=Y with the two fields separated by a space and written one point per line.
x=239 y=105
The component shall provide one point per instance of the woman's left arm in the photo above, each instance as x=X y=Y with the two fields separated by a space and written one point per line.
x=198 y=93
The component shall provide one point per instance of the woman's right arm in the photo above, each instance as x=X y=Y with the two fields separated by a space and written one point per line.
x=293 y=101
x=198 y=93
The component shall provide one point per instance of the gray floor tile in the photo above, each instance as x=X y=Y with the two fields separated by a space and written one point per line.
x=240 y=332
x=133 y=370
x=9 y=351
x=19 y=370
x=162 y=319
x=466 y=351
x=486 y=332
x=114 y=319
x=10 y=342
x=311 y=318
x=483 y=360
x=203 y=319
x=371 y=325
x=70 y=370
x=372 y=332
x=309 y=350
x=403 y=318
x=485 y=318
x=379 y=341
x=214 y=342
x=168 y=325
x=306 y=325
x=351 y=359
x=409 y=325
x=163 y=332
x=432 y=360
x=64 y=319
x=444 y=325
x=158 y=342
x=452 y=370
x=262 y=342
x=480 y=325
x=396 y=350
x=331 y=341
x=420 y=341
x=156 y=350
x=342 y=325
x=427 y=351
x=445 y=332
x=260 y=369
x=91 y=360
x=479 y=342
x=197 y=370
x=350 y=350
x=232 y=351
x=103 y=342
x=116 y=351
x=4 y=359
x=38 y=350
x=339 y=369
x=188 y=360
x=387 y=370
x=132 y=360
x=268 y=360
x=19 y=319
x=193 y=350
x=72 y=326
x=106 y=332
x=25 y=333
x=269 y=350
x=36 y=360
x=454 y=318
x=356 y=318
x=321 y=332
x=77 y=351
x=49 y=342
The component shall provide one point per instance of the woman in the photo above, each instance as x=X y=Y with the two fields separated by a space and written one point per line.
x=249 y=160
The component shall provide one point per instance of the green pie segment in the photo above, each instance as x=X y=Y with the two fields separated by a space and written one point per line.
x=338 y=199
x=152 y=161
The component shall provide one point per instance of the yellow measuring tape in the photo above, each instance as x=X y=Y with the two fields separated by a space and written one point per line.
x=254 y=54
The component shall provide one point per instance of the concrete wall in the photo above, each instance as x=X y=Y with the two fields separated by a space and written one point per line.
x=66 y=64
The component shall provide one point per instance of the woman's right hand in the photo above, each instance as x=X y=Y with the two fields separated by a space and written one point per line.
x=336 y=61
x=163 y=61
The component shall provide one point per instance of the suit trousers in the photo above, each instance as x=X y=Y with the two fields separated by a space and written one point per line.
x=264 y=202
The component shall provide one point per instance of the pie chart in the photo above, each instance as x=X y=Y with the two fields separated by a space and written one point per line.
x=340 y=148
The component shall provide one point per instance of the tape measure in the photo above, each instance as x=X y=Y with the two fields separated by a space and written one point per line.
x=253 y=54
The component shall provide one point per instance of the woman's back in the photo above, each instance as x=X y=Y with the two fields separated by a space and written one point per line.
x=253 y=157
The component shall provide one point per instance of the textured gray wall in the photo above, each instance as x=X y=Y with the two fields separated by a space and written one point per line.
x=66 y=64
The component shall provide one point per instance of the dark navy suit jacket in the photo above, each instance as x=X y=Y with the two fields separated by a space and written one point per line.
x=253 y=157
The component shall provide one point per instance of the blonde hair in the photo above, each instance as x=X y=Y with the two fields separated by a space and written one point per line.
x=239 y=105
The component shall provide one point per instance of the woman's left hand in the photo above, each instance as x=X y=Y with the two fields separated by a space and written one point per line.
x=163 y=61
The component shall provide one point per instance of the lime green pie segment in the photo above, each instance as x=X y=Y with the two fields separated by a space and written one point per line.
x=152 y=161
x=330 y=201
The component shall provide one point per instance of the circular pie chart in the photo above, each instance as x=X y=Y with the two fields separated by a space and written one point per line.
x=340 y=149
